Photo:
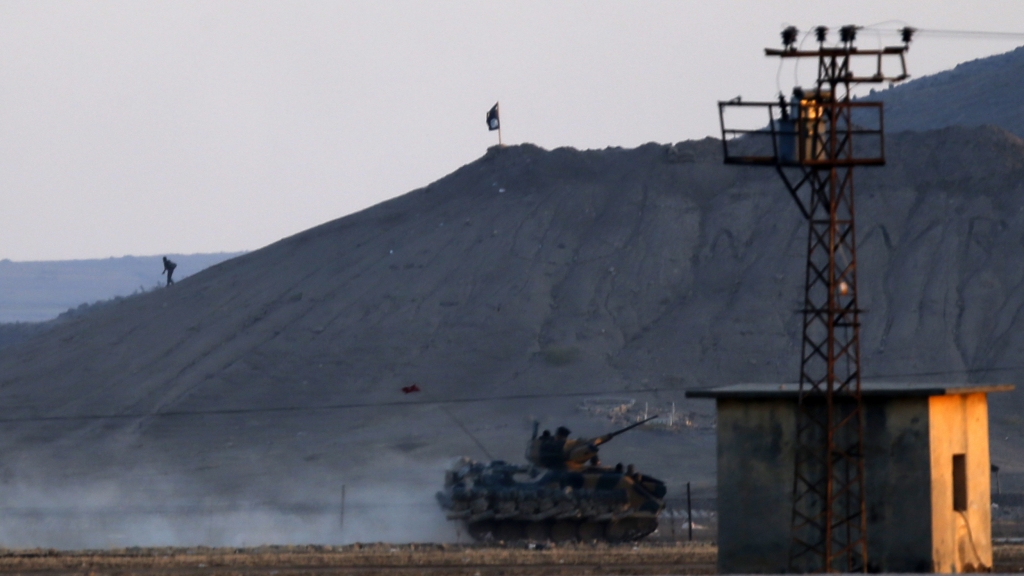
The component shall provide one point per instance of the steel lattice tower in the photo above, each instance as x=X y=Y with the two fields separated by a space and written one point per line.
x=816 y=139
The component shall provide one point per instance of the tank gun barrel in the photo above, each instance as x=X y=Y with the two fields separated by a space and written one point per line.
x=602 y=439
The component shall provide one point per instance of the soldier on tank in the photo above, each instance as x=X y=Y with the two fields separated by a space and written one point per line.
x=562 y=453
x=547 y=450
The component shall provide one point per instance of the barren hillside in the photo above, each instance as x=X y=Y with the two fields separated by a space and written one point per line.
x=231 y=407
x=40 y=291
x=975 y=93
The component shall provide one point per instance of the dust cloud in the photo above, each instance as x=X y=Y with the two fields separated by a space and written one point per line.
x=155 y=510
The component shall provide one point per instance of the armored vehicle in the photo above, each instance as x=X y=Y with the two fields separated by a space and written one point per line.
x=563 y=494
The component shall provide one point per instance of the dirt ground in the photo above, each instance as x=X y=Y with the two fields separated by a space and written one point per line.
x=365 y=560
x=410 y=559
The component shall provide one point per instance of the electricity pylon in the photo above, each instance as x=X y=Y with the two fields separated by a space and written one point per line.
x=814 y=140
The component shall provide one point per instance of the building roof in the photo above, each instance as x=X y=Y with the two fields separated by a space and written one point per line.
x=867 y=389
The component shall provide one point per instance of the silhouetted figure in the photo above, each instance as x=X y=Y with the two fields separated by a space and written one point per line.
x=169 y=268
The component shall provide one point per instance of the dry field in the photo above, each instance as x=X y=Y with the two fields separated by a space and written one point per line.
x=1008 y=558
x=412 y=559
x=367 y=560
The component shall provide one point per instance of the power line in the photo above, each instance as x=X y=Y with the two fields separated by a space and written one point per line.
x=408 y=403
x=323 y=408
x=886 y=27
x=981 y=34
x=970 y=33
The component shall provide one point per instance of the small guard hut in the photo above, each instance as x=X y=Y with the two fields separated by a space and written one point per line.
x=927 y=476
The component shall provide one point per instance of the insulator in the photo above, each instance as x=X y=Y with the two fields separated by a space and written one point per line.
x=789 y=36
x=847 y=34
x=821 y=34
x=907 y=33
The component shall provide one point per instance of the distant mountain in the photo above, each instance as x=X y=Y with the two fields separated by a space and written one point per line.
x=975 y=93
x=39 y=291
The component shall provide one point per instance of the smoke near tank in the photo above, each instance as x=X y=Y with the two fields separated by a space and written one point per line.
x=157 y=509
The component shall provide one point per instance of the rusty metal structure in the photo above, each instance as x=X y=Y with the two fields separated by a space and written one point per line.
x=814 y=140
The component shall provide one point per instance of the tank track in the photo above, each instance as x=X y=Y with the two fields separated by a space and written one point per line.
x=502 y=502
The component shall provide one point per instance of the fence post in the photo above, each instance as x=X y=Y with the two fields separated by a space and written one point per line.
x=689 y=513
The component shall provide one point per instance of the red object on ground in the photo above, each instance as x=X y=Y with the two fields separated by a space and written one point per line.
x=410 y=389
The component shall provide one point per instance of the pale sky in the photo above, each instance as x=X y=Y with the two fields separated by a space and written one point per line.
x=152 y=127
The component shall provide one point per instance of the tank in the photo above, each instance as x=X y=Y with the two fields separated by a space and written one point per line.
x=562 y=494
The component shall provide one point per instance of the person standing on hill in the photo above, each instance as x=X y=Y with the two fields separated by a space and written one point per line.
x=169 y=268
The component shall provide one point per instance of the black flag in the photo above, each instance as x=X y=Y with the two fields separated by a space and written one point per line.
x=492 y=119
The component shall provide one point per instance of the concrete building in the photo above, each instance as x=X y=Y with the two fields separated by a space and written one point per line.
x=927 y=476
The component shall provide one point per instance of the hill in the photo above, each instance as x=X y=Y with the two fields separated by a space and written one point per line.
x=232 y=407
x=40 y=291
x=975 y=93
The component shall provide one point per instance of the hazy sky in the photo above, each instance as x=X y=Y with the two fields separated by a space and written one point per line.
x=152 y=127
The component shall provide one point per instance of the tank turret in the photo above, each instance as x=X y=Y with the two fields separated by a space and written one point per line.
x=564 y=494
x=559 y=452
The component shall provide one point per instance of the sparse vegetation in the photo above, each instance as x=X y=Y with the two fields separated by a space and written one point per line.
x=523 y=558
x=512 y=559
